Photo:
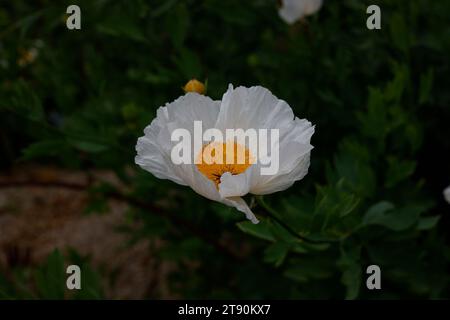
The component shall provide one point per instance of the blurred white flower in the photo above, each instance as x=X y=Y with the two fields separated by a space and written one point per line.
x=447 y=194
x=243 y=108
x=293 y=10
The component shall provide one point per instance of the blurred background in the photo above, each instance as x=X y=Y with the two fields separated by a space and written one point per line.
x=74 y=102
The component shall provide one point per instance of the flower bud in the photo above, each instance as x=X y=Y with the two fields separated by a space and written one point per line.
x=194 y=86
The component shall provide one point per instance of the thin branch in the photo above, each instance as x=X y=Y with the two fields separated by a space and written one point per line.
x=274 y=216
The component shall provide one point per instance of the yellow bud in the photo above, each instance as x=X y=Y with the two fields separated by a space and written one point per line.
x=194 y=86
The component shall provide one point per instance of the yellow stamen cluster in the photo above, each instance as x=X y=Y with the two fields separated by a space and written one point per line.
x=212 y=161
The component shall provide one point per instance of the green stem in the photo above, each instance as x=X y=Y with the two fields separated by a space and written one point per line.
x=274 y=216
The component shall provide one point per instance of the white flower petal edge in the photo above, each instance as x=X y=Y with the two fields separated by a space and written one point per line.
x=154 y=148
x=240 y=108
x=257 y=107
x=447 y=194
x=293 y=10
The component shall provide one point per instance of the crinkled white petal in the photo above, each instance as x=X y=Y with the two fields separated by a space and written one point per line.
x=199 y=183
x=256 y=108
x=293 y=10
x=154 y=148
x=294 y=155
x=192 y=107
x=240 y=108
x=235 y=185
x=284 y=179
x=151 y=155
x=242 y=206
x=447 y=194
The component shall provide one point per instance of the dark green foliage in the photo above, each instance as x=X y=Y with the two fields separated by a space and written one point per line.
x=379 y=100
x=48 y=281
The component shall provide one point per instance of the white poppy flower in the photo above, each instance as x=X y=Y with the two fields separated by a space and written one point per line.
x=240 y=108
x=447 y=194
x=293 y=10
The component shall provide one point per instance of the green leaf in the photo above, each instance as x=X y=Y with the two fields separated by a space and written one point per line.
x=374 y=123
x=395 y=88
x=427 y=223
x=335 y=212
x=350 y=265
x=397 y=219
x=354 y=172
x=376 y=211
x=280 y=232
x=297 y=212
x=260 y=230
x=398 y=170
x=50 y=278
x=43 y=148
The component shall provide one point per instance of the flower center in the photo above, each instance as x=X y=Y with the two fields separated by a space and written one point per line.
x=216 y=158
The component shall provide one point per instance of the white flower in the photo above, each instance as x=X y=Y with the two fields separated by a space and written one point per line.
x=447 y=194
x=243 y=108
x=293 y=10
